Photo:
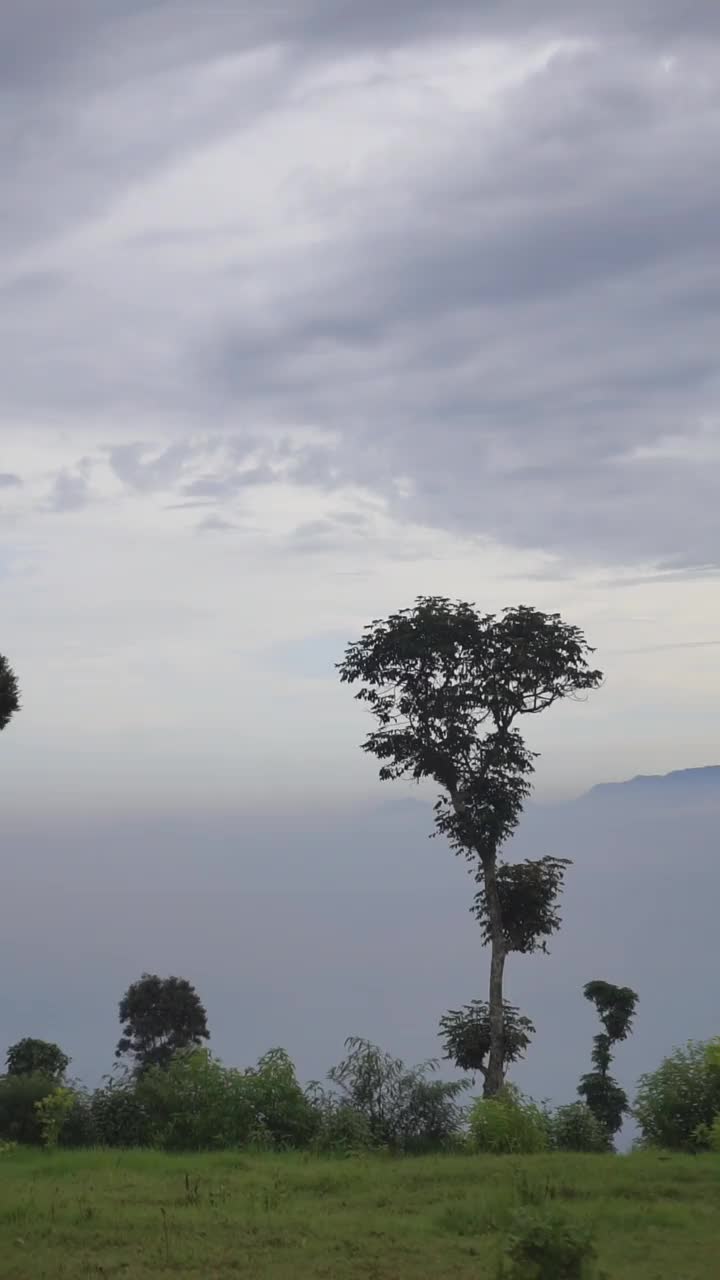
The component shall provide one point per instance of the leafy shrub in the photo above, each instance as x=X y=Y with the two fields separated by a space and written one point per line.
x=195 y=1104
x=676 y=1105
x=576 y=1128
x=404 y=1109
x=52 y=1112
x=19 y=1095
x=508 y=1124
x=78 y=1128
x=544 y=1246
x=280 y=1107
x=341 y=1128
x=119 y=1117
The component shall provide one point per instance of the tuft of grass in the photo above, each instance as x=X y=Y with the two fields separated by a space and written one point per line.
x=299 y=1217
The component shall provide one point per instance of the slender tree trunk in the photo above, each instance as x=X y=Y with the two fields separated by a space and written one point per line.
x=495 y=1077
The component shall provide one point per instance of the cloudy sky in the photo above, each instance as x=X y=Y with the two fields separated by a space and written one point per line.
x=312 y=307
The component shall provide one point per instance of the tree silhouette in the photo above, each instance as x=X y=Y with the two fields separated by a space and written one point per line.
x=604 y=1096
x=446 y=685
x=37 y=1057
x=160 y=1016
x=9 y=693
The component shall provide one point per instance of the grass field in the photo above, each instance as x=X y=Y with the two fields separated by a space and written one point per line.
x=141 y=1214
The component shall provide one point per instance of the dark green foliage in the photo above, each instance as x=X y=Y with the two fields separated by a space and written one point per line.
x=615 y=1006
x=445 y=685
x=9 y=693
x=606 y=1099
x=404 y=1108
x=576 y=1128
x=528 y=893
x=282 y=1111
x=119 y=1117
x=546 y=1246
x=161 y=1017
x=604 y=1096
x=466 y=1035
x=37 y=1057
x=341 y=1127
x=676 y=1105
x=197 y=1104
x=18 y=1096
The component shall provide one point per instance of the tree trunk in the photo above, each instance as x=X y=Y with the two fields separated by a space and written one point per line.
x=495 y=1077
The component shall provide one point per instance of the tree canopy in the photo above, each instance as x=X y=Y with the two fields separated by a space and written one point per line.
x=466 y=1035
x=37 y=1057
x=160 y=1017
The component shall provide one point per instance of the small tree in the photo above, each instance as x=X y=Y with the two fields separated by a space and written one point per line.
x=604 y=1096
x=160 y=1016
x=466 y=1036
x=9 y=693
x=446 y=685
x=37 y=1057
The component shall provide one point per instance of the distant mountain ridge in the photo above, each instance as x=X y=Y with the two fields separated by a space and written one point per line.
x=689 y=780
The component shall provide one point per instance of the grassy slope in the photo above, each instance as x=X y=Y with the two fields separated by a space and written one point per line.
x=140 y=1214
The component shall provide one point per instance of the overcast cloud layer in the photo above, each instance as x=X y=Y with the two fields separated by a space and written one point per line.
x=474 y=246
x=310 y=307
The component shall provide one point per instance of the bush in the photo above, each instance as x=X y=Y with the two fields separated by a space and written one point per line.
x=52 y=1111
x=576 y=1128
x=78 y=1128
x=508 y=1124
x=404 y=1109
x=281 y=1109
x=19 y=1096
x=676 y=1105
x=341 y=1129
x=195 y=1104
x=546 y=1246
x=118 y=1117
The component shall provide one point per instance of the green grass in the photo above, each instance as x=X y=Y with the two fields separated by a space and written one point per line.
x=142 y=1214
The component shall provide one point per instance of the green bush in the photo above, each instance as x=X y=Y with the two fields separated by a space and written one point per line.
x=404 y=1107
x=19 y=1095
x=545 y=1246
x=118 y=1116
x=508 y=1124
x=676 y=1105
x=281 y=1109
x=195 y=1104
x=52 y=1111
x=576 y=1128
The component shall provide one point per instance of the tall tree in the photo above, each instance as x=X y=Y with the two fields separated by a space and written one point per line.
x=604 y=1096
x=9 y=693
x=446 y=685
x=37 y=1057
x=160 y=1016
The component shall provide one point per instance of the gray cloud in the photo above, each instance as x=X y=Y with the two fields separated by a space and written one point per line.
x=8 y=480
x=70 y=492
x=500 y=324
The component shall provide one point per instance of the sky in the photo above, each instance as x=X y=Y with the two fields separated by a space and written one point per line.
x=308 y=309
